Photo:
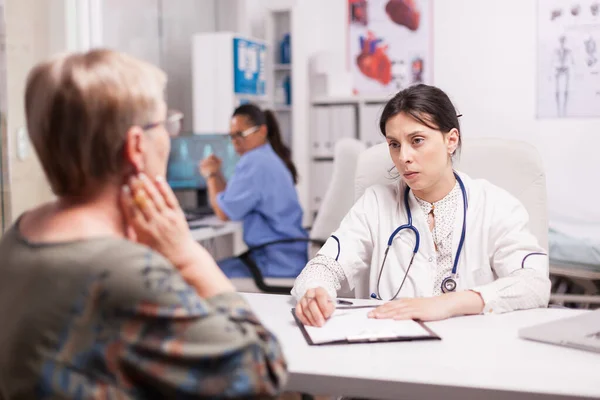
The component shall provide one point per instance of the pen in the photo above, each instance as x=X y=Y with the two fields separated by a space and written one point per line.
x=344 y=302
x=356 y=307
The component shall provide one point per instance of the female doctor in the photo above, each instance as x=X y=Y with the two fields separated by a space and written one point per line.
x=433 y=244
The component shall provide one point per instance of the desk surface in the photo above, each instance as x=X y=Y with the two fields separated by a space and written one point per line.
x=478 y=357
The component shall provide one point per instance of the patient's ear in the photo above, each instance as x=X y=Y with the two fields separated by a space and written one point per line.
x=135 y=149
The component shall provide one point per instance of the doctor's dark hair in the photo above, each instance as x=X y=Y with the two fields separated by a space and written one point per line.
x=428 y=105
x=258 y=117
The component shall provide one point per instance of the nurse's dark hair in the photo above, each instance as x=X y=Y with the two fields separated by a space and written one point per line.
x=258 y=117
x=428 y=105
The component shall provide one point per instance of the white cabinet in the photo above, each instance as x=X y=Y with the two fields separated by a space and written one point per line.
x=280 y=69
x=370 y=114
x=334 y=118
x=331 y=123
x=321 y=172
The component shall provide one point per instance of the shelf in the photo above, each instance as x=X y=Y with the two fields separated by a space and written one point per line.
x=366 y=99
x=282 y=67
x=252 y=98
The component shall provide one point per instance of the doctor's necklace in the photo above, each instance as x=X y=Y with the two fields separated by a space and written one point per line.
x=431 y=223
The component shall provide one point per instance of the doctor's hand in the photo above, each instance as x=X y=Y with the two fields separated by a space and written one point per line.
x=424 y=309
x=210 y=165
x=315 y=307
x=431 y=308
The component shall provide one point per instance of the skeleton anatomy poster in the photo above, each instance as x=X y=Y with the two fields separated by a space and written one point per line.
x=390 y=44
x=568 y=64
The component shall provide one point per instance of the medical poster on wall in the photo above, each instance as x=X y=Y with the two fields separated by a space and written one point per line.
x=249 y=59
x=568 y=64
x=390 y=44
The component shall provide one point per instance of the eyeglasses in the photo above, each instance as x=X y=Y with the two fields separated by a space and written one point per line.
x=244 y=133
x=172 y=123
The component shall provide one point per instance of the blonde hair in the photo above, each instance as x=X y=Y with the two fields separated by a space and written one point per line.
x=79 y=107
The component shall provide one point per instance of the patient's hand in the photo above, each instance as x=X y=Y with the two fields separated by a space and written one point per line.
x=155 y=219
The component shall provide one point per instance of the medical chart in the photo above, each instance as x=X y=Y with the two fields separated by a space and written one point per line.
x=568 y=63
x=390 y=43
x=354 y=325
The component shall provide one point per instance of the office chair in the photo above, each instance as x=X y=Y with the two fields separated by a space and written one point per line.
x=512 y=165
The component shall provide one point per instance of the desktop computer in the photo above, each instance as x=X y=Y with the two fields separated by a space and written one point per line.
x=183 y=168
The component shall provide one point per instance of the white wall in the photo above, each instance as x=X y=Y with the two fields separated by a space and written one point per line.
x=34 y=31
x=485 y=59
x=181 y=19
x=161 y=33
x=132 y=27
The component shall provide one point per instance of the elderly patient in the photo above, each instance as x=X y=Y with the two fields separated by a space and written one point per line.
x=104 y=293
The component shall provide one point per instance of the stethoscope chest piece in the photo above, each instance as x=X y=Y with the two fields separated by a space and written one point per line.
x=448 y=285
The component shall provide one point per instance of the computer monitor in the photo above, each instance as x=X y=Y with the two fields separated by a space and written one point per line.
x=188 y=151
x=184 y=159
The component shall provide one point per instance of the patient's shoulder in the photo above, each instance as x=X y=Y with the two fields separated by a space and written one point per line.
x=30 y=223
x=134 y=276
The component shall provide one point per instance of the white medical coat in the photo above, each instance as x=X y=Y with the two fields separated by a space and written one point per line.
x=498 y=258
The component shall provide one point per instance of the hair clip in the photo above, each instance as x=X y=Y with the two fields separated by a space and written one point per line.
x=459 y=115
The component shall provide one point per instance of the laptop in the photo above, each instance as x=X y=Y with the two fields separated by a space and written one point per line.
x=581 y=332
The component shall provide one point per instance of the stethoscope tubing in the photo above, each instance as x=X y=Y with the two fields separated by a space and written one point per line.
x=409 y=225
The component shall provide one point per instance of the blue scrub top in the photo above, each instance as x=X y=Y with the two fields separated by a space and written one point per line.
x=261 y=192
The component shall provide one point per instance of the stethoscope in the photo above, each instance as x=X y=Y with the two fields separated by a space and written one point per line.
x=449 y=283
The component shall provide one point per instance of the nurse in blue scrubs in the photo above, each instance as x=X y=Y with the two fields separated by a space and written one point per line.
x=261 y=193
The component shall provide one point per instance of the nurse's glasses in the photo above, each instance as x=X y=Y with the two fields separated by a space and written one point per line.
x=244 y=133
x=172 y=123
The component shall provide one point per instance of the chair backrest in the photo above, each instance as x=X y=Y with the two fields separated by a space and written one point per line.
x=510 y=164
x=339 y=197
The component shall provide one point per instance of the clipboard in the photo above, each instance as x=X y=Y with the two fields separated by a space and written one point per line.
x=358 y=339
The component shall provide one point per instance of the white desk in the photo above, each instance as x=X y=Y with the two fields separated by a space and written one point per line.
x=478 y=357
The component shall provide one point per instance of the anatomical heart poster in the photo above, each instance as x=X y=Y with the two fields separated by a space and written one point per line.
x=390 y=44
x=568 y=62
